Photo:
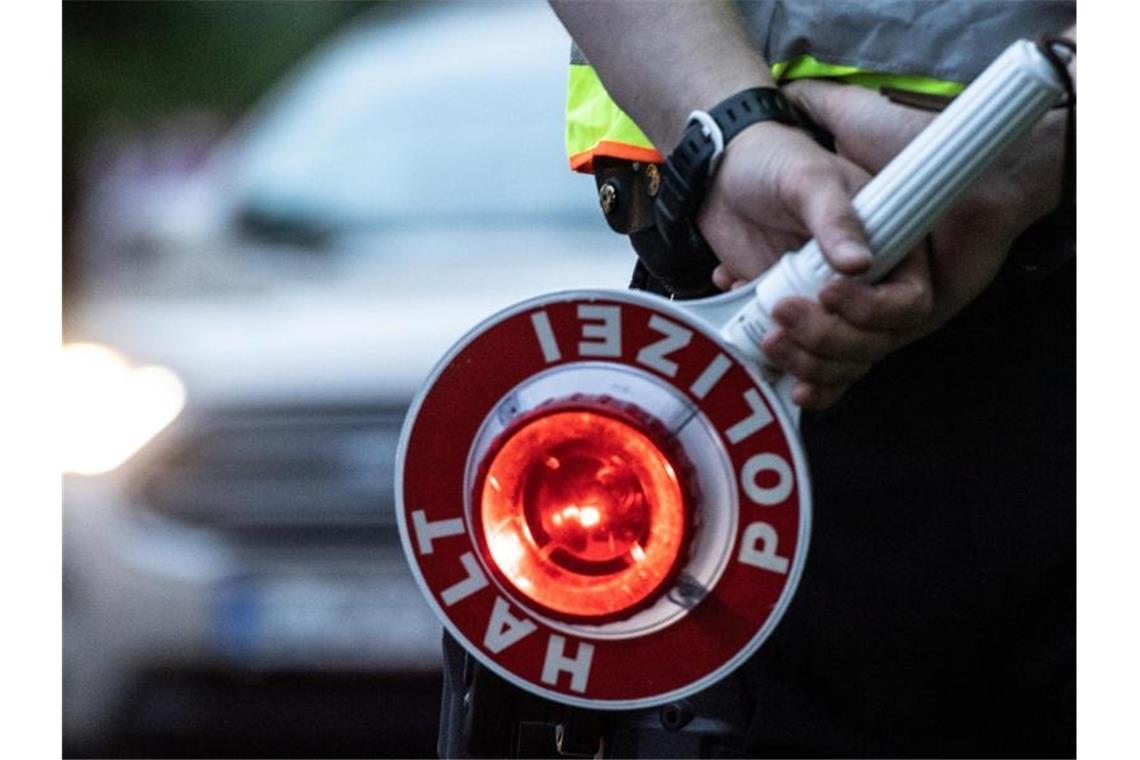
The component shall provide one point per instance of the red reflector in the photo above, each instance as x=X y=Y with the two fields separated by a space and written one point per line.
x=582 y=513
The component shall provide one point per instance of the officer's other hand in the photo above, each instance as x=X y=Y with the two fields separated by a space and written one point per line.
x=830 y=344
x=775 y=189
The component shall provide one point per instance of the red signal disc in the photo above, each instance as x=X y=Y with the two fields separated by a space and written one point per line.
x=582 y=513
x=745 y=531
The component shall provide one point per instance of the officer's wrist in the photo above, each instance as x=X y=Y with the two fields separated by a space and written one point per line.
x=701 y=91
x=692 y=165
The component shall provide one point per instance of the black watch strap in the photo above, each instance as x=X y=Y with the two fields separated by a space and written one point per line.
x=750 y=106
x=688 y=169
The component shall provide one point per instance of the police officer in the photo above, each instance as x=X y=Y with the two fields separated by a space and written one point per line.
x=936 y=614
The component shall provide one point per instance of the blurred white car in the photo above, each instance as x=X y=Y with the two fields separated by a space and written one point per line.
x=297 y=288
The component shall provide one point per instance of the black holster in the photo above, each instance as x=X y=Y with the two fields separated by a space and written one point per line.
x=626 y=190
x=483 y=716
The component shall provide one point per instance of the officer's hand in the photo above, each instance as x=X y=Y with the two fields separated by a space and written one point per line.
x=774 y=190
x=828 y=345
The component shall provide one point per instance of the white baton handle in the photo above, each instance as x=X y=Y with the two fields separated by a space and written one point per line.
x=900 y=205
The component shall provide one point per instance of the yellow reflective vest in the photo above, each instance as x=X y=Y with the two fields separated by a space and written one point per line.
x=917 y=46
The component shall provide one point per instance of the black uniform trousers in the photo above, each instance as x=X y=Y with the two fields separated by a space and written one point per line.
x=937 y=611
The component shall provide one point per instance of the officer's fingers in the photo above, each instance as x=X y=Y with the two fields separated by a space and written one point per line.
x=825 y=207
x=816 y=396
x=902 y=303
x=810 y=326
x=805 y=365
x=867 y=127
x=813 y=97
x=722 y=278
x=739 y=243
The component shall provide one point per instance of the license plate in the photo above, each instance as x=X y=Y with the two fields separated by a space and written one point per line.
x=323 y=622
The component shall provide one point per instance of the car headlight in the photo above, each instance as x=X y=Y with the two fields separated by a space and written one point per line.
x=111 y=408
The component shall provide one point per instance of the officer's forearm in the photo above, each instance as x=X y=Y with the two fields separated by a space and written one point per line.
x=660 y=61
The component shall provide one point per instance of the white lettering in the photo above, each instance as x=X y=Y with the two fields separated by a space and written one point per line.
x=504 y=628
x=557 y=662
x=676 y=337
x=426 y=532
x=474 y=581
x=545 y=335
x=711 y=376
x=605 y=327
x=765 y=558
x=766 y=463
x=760 y=418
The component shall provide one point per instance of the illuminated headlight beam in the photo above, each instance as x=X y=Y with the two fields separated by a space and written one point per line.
x=110 y=408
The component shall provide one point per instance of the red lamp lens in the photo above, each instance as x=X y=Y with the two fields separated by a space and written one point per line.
x=583 y=513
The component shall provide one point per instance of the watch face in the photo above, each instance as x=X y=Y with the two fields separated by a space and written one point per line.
x=602 y=503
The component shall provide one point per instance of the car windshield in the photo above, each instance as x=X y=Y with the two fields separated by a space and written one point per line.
x=384 y=129
x=377 y=158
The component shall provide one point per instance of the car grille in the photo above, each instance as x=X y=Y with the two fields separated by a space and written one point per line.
x=279 y=469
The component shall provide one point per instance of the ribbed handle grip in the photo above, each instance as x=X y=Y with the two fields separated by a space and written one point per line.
x=900 y=205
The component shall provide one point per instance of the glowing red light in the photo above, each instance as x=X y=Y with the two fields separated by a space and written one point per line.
x=583 y=513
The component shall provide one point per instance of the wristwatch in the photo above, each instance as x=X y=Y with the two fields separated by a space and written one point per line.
x=687 y=172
